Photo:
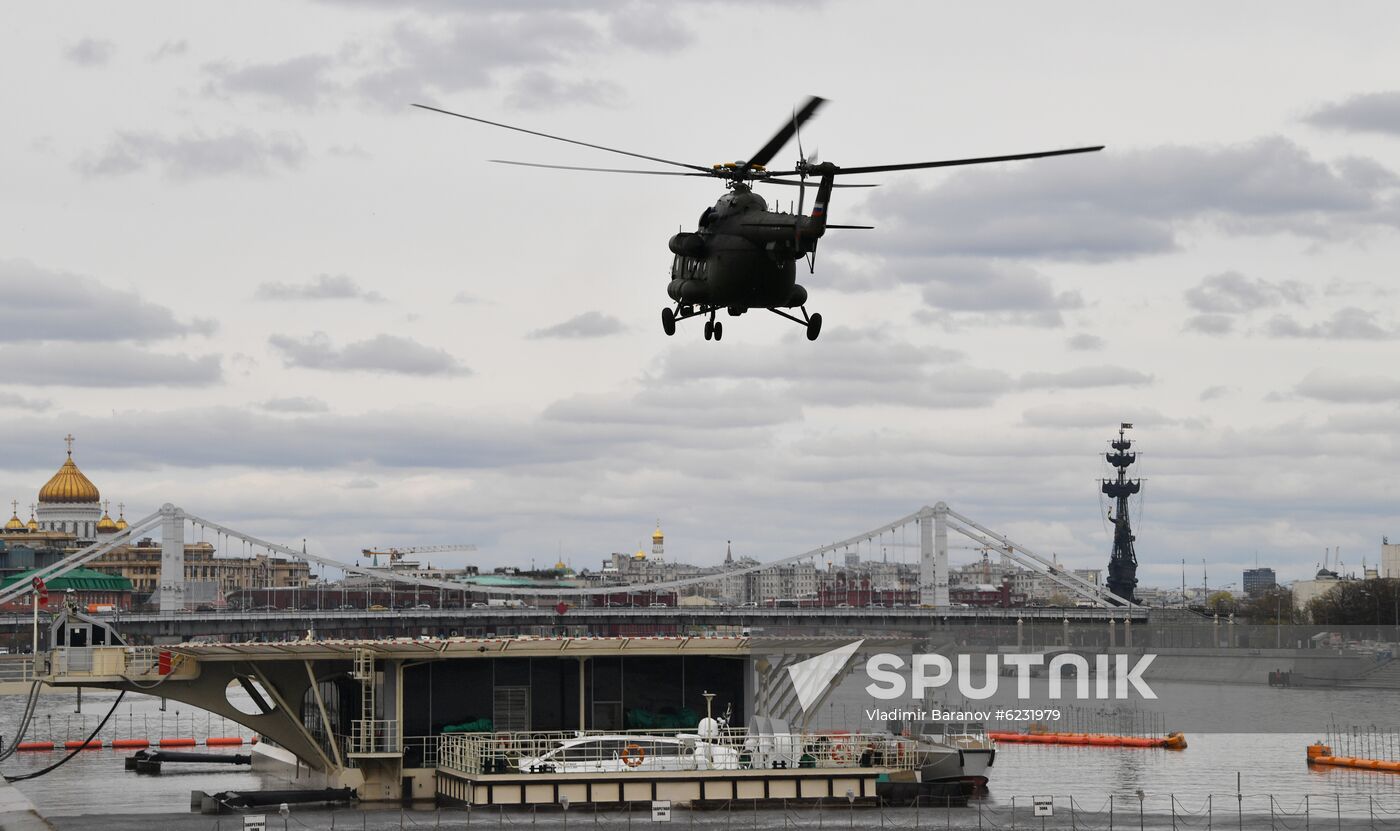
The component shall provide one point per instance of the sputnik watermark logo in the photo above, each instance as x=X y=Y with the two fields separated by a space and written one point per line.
x=812 y=677
x=1112 y=675
x=931 y=671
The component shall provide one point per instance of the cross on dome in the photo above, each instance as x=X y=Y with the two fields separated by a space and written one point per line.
x=68 y=439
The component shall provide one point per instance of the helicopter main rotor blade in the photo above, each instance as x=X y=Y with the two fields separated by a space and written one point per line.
x=597 y=169
x=771 y=181
x=784 y=134
x=882 y=168
x=704 y=170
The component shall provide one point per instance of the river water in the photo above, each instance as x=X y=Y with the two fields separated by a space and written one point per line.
x=1268 y=764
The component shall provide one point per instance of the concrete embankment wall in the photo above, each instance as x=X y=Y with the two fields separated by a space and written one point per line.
x=1252 y=666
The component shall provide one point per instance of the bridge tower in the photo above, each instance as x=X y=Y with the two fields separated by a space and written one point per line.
x=933 y=555
x=1122 y=564
x=171 y=595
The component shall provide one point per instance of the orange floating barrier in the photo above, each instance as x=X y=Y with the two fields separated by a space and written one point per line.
x=74 y=744
x=130 y=744
x=35 y=746
x=223 y=741
x=1321 y=754
x=177 y=742
x=1172 y=741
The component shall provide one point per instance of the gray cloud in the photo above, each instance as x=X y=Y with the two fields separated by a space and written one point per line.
x=847 y=368
x=91 y=52
x=383 y=353
x=539 y=90
x=1210 y=324
x=664 y=409
x=1217 y=392
x=955 y=284
x=43 y=304
x=295 y=404
x=471 y=53
x=1232 y=293
x=537 y=56
x=1345 y=324
x=1345 y=388
x=202 y=437
x=1121 y=204
x=1376 y=112
x=322 y=287
x=171 y=49
x=1103 y=416
x=587 y=325
x=1085 y=342
x=14 y=401
x=105 y=366
x=302 y=82
x=650 y=28
x=1085 y=377
x=197 y=155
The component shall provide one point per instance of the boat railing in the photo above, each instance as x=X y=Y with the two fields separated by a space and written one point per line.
x=622 y=751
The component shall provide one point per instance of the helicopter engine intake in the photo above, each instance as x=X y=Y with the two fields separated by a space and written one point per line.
x=688 y=245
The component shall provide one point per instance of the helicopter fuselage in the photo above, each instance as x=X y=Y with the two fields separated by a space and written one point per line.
x=742 y=256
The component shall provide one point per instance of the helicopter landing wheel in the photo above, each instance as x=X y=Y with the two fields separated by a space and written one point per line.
x=719 y=330
x=668 y=321
x=709 y=329
x=814 y=326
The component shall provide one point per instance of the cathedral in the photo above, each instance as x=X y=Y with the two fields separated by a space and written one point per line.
x=70 y=515
x=70 y=503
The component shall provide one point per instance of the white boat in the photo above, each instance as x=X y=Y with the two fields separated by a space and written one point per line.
x=624 y=753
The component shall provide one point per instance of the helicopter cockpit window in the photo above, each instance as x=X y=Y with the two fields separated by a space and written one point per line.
x=706 y=217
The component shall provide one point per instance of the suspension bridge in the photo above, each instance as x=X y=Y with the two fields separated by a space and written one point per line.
x=932 y=524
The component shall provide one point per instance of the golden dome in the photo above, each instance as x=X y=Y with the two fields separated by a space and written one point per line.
x=69 y=485
x=640 y=555
x=15 y=523
x=105 y=525
x=657 y=536
x=121 y=523
x=33 y=523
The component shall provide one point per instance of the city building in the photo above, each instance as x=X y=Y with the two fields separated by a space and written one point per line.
x=1304 y=591
x=70 y=515
x=1390 y=559
x=1258 y=580
x=89 y=590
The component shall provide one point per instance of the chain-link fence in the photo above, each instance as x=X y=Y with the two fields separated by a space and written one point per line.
x=1049 y=812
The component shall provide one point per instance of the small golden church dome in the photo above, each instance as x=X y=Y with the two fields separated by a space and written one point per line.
x=105 y=525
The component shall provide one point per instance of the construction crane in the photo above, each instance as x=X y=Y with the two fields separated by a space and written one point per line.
x=396 y=554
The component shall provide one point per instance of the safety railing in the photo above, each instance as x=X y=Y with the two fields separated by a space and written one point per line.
x=374 y=736
x=653 y=751
x=119 y=661
x=17 y=669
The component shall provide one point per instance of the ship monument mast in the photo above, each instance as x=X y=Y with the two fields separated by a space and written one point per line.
x=1122 y=565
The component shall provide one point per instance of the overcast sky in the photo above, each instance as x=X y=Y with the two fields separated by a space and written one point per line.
x=254 y=282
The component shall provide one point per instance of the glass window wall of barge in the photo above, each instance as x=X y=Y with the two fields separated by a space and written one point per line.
x=619 y=692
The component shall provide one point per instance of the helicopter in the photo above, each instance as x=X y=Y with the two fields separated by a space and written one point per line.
x=742 y=256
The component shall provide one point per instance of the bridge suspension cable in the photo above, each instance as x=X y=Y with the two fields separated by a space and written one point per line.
x=932 y=522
